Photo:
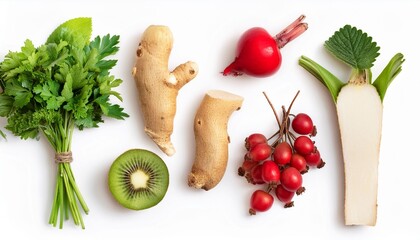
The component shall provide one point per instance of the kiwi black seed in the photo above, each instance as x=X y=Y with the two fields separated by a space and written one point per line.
x=138 y=179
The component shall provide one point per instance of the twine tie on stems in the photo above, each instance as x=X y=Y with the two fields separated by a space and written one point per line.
x=63 y=157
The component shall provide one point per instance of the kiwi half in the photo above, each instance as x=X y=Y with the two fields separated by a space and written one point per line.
x=138 y=179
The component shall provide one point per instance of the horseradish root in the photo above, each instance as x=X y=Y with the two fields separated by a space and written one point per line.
x=359 y=111
x=211 y=138
x=359 y=104
x=157 y=86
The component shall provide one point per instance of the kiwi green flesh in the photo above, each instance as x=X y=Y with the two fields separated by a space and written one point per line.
x=138 y=179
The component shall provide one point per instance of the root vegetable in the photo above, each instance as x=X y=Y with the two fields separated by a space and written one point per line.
x=361 y=159
x=211 y=138
x=258 y=53
x=359 y=111
x=158 y=87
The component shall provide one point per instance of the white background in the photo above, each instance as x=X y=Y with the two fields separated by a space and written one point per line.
x=206 y=32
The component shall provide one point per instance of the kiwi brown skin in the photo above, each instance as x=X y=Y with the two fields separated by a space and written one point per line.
x=138 y=164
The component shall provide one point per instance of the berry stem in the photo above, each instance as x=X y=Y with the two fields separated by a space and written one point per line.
x=275 y=134
x=283 y=133
x=289 y=135
x=274 y=110
x=286 y=116
x=291 y=141
x=286 y=120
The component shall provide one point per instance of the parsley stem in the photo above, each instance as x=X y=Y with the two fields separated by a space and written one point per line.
x=54 y=210
x=61 y=198
x=70 y=197
x=67 y=194
x=66 y=209
x=76 y=188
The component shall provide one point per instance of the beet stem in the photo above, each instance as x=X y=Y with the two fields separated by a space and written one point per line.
x=291 y=32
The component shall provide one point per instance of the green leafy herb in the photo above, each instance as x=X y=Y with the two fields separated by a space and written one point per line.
x=76 y=32
x=61 y=85
x=5 y=105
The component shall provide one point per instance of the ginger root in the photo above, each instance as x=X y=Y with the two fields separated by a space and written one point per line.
x=211 y=138
x=157 y=86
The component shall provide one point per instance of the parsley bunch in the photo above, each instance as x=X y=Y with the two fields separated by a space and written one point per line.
x=51 y=89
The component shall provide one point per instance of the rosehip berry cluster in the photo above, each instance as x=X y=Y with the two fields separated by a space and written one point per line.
x=280 y=164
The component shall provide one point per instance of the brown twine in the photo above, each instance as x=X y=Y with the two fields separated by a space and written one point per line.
x=63 y=157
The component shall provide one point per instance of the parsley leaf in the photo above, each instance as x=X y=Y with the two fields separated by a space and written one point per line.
x=106 y=45
x=353 y=47
x=21 y=95
x=76 y=31
x=110 y=110
x=6 y=105
x=103 y=47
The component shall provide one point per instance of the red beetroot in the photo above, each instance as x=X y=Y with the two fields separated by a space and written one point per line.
x=258 y=53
